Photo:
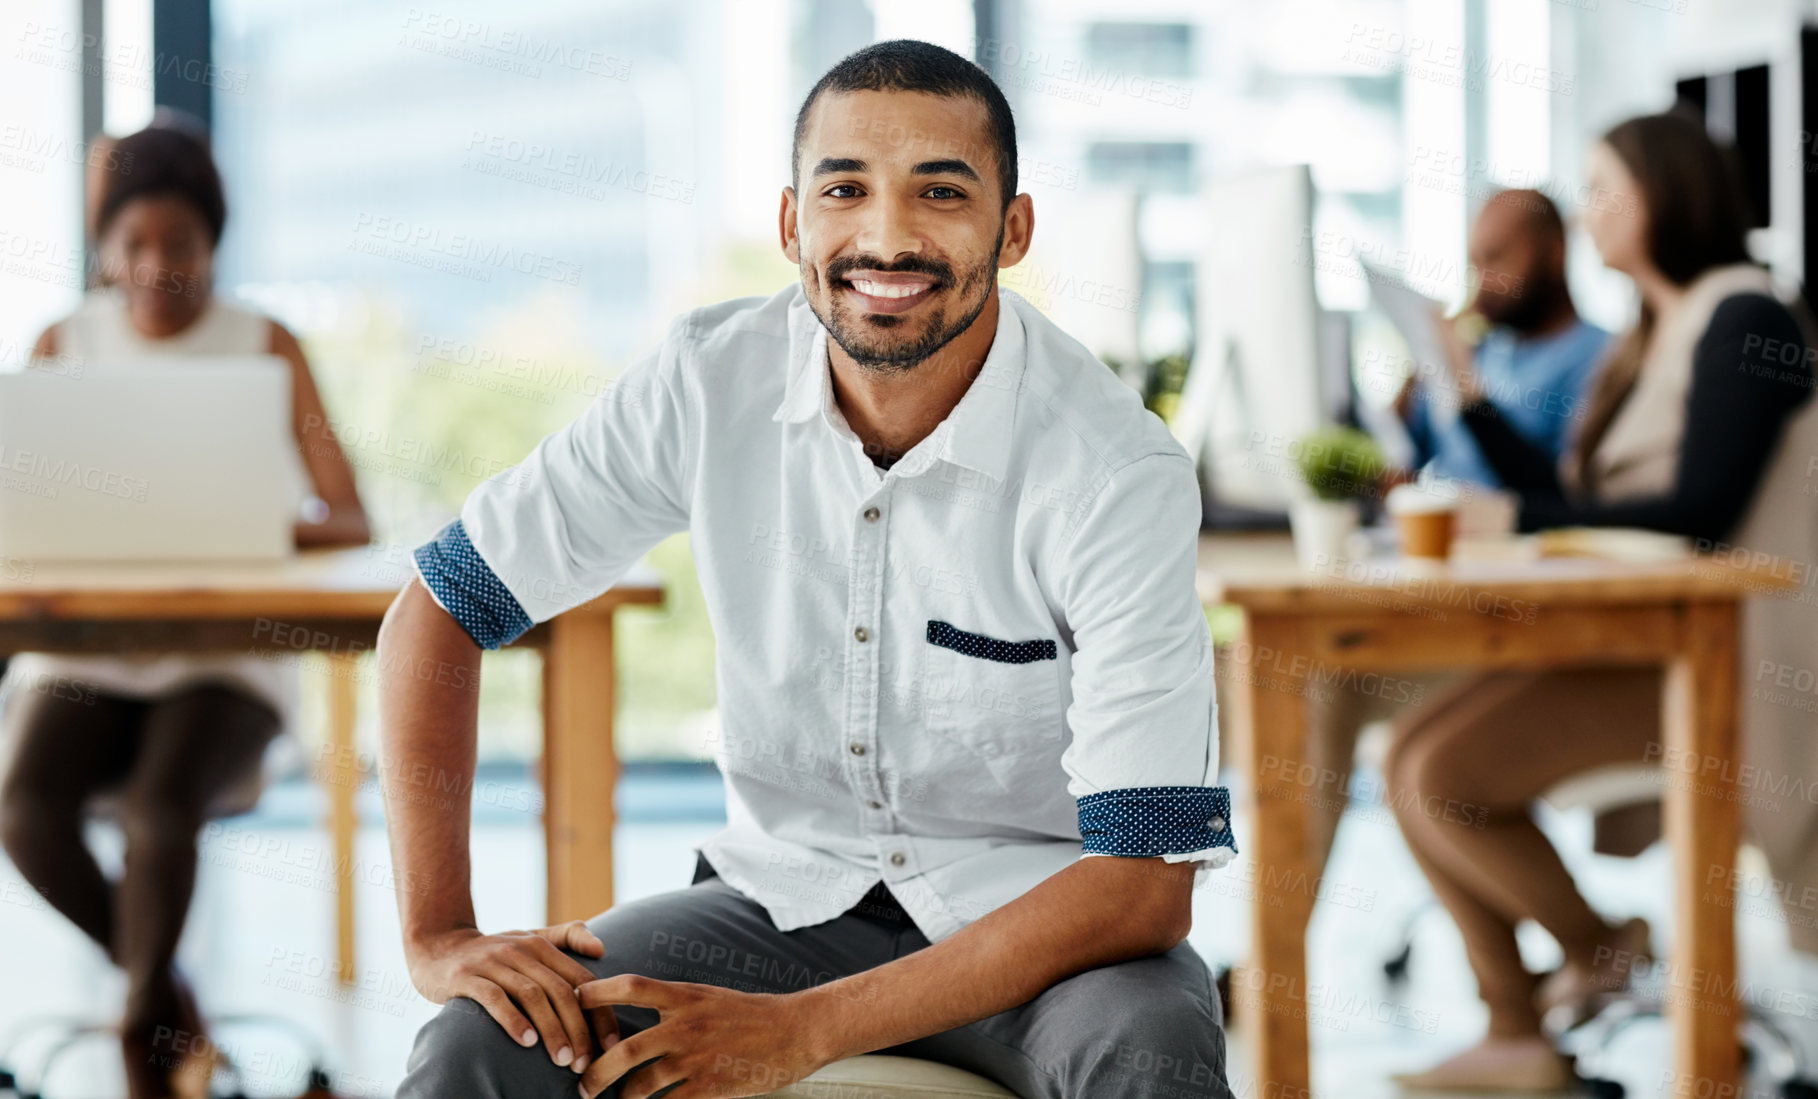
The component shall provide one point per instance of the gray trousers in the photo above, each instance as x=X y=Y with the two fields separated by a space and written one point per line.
x=1147 y=1028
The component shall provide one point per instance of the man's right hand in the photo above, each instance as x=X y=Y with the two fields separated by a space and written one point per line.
x=521 y=978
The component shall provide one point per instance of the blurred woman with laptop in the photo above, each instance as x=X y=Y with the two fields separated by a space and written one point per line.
x=1700 y=423
x=171 y=739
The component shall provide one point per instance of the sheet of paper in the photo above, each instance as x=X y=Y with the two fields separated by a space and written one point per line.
x=1417 y=317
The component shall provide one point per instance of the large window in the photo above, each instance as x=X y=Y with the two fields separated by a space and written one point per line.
x=42 y=158
x=475 y=215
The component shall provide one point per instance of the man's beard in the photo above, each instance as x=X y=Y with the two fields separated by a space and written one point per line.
x=867 y=341
x=1535 y=307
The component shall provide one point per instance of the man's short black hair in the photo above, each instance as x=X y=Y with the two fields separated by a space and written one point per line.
x=1542 y=213
x=164 y=159
x=907 y=65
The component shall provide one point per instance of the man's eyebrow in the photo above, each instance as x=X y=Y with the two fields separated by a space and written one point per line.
x=946 y=168
x=834 y=165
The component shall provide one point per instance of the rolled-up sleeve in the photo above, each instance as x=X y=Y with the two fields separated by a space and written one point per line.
x=1142 y=761
x=566 y=523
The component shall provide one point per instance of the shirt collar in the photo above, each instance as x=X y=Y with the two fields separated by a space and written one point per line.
x=976 y=434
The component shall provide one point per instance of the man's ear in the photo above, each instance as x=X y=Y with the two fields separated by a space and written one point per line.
x=785 y=226
x=1019 y=230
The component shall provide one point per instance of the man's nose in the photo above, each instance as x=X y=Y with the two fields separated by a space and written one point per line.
x=890 y=231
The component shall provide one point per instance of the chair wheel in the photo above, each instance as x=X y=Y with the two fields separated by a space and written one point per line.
x=1799 y=1089
x=1598 y=1088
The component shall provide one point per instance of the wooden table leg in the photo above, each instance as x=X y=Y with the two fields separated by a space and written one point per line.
x=580 y=765
x=1703 y=829
x=1271 y=996
x=343 y=782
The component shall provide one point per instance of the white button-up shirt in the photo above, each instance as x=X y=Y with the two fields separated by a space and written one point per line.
x=957 y=675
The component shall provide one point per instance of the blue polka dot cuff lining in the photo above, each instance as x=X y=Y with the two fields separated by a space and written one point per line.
x=988 y=648
x=1147 y=821
x=467 y=589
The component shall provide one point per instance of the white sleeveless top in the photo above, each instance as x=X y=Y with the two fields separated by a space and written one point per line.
x=99 y=329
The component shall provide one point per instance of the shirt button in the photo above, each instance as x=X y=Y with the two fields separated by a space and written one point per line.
x=896 y=859
x=871 y=515
x=1217 y=824
x=875 y=804
x=857 y=748
x=862 y=634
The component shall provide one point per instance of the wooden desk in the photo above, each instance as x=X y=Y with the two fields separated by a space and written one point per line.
x=332 y=601
x=1382 y=616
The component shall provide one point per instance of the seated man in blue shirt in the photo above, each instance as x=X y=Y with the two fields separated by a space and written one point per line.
x=1537 y=355
x=967 y=721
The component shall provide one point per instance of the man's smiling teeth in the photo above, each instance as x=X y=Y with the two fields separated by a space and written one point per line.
x=886 y=290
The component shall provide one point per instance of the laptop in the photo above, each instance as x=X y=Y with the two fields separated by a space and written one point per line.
x=178 y=459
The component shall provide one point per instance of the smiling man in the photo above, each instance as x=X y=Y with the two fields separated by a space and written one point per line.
x=967 y=722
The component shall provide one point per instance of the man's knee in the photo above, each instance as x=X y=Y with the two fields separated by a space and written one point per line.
x=1144 y=1028
x=670 y=936
x=464 y=1051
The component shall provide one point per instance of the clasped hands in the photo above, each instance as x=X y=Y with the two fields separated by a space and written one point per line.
x=708 y=1040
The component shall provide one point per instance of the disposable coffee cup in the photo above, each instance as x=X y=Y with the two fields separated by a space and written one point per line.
x=1425 y=521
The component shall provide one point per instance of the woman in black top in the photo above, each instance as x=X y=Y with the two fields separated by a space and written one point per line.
x=1743 y=389
x=1700 y=409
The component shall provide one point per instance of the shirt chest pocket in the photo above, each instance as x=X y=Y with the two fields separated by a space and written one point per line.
x=996 y=696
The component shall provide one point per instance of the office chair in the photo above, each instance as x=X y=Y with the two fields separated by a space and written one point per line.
x=72 y=1034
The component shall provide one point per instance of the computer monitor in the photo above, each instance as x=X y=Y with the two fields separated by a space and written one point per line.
x=1258 y=380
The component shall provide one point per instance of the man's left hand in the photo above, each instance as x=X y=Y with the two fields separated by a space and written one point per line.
x=719 y=1042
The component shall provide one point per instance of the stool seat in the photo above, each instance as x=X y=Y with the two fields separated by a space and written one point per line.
x=885 y=1077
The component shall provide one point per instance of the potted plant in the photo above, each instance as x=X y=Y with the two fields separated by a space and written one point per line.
x=1340 y=466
